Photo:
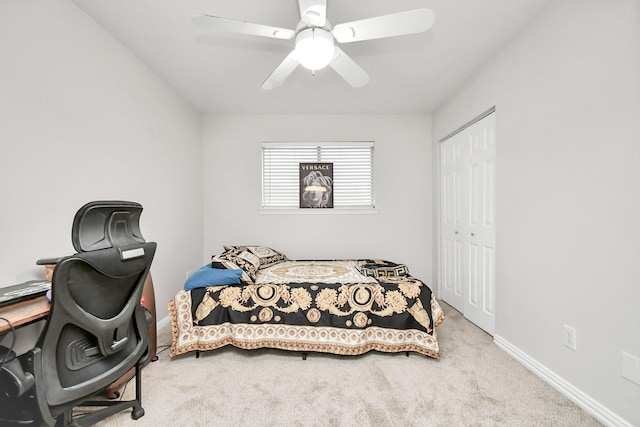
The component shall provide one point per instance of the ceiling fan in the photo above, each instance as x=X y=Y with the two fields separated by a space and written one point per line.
x=315 y=38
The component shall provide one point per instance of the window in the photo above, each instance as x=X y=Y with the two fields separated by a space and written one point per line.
x=352 y=172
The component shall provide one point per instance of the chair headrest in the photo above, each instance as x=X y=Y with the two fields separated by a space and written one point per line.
x=106 y=224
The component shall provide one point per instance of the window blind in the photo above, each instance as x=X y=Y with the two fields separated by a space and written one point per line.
x=352 y=172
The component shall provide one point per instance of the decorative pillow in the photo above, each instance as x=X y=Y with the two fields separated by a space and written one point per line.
x=266 y=255
x=208 y=276
x=240 y=257
x=380 y=268
x=222 y=264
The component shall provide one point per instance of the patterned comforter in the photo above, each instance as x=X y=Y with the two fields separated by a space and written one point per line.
x=321 y=306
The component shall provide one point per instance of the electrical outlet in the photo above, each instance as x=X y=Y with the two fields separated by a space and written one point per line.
x=570 y=337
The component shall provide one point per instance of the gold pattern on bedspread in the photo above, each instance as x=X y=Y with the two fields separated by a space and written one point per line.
x=186 y=336
x=342 y=302
x=325 y=306
x=341 y=271
x=249 y=297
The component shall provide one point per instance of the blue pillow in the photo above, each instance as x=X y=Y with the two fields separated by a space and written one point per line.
x=207 y=276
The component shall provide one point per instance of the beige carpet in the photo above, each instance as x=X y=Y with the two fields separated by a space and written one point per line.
x=473 y=384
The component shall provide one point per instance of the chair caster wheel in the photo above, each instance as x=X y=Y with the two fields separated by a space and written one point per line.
x=137 y=413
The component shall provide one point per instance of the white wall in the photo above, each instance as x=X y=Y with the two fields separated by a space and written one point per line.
x=567 y=95
x=82 y=119
x=400 y=231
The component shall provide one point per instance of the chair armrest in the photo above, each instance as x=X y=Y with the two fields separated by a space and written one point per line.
x=48 y=261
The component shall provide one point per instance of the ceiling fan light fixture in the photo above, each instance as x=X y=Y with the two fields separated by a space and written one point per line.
x=314 y=48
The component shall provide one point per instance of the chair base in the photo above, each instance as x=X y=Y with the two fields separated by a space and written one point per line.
x=110 y=407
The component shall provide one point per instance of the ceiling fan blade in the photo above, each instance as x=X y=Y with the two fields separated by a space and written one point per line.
x=282 y=71
x=241 y=27
x=395 y=24
x=348 y=69
x=313 y=12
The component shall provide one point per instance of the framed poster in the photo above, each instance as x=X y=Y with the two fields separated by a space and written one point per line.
x=316 y=185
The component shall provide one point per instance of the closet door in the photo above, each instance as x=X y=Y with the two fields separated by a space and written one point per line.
x=468 y=222
x=452 y=225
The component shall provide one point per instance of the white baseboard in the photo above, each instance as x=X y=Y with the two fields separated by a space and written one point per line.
x=577 y=396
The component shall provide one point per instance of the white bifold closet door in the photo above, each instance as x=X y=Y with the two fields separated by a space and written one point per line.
x=467 y=222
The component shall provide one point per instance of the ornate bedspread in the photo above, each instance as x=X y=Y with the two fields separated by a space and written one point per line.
x=324 y=306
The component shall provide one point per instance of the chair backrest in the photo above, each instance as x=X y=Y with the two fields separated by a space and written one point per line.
x=96 y=330
x=106 y=224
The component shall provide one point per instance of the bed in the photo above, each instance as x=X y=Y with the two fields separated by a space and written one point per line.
x=254 y=297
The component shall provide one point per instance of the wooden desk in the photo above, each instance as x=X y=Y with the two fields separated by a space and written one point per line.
x=24 y=312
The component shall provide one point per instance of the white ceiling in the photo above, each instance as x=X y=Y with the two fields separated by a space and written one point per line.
x=222 y=73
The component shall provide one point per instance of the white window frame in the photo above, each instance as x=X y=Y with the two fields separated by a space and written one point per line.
x=306 y=155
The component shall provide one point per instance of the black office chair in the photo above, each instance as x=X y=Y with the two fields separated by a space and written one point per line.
x=96 y=331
